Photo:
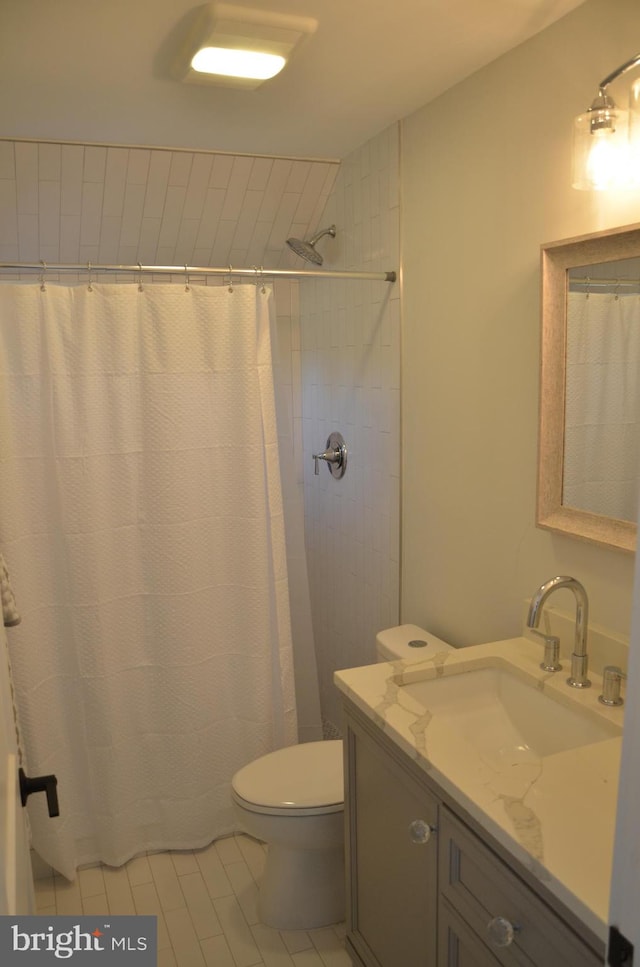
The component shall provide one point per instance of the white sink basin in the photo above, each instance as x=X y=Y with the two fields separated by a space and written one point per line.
x=505 y=719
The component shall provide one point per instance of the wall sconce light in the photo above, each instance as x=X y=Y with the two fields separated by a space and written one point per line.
x=237 y=46
x=606 y=140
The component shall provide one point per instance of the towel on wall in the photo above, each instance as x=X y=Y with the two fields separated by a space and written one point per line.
x=10 y=613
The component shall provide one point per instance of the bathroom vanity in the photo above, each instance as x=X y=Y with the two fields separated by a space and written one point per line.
x=464 y=850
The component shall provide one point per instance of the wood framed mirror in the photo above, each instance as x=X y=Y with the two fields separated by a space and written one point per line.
x=589 y=444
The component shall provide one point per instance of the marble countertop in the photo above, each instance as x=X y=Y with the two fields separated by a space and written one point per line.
x=555 y=813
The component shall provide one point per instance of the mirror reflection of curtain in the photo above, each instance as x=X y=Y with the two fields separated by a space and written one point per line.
x=602 y=445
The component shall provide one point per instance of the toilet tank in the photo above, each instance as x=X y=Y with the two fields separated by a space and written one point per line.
x=408 y=642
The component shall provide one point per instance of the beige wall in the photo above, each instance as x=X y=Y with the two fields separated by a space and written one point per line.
x=486 y=181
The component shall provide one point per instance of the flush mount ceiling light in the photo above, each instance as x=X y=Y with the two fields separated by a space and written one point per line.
x=237 y=46
x=606 y=140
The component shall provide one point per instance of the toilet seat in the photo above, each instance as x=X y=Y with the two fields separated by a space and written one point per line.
x=300 y=780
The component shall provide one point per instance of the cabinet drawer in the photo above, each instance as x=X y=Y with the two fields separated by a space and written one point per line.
x=480 y=887
x=458 y=946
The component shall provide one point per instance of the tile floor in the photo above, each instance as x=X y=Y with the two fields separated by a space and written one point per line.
x=205 y=902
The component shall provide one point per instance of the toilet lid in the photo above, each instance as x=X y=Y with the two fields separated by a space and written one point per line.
x=305 y=776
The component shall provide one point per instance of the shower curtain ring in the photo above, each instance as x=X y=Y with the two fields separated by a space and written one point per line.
x=89 y=285
x=617 y=295
x=230 y=278
x=43 y=287
x=264 y=288
x=588 y=281
x=186 y=278
x=140 y=289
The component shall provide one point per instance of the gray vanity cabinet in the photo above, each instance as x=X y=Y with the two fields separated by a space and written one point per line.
x=392 y=854
x=424 y=889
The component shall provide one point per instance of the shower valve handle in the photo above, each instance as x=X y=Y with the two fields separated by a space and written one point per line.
x=335 y=456
x=46 y=784
x=331 y=456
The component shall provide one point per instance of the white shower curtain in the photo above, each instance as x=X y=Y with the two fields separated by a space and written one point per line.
x=602 y=410
x=141 y=517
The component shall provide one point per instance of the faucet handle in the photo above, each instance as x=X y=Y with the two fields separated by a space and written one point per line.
x=611 y=680
x=551 y=660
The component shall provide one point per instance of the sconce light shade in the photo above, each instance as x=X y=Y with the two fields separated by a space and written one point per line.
x=601 y=147
x=634 y=135
x=606 y=140
x=237 y=46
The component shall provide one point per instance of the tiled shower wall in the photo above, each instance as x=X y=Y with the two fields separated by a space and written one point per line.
x=339 y=369
x=123 y=205
x=351 y=383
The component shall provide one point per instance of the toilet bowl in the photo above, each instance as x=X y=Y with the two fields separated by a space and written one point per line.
x=293 y=800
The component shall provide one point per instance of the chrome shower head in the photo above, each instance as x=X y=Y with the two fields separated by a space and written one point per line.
x=307 y=250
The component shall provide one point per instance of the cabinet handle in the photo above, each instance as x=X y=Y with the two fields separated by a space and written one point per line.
x=501 y=932
x=420 y=832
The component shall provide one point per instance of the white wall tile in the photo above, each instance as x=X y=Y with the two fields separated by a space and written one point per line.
x=72 y=163
x=8 y=212
x=138 y=165
x=27 y=178
x=260 y=172
x=95 y=160
x=180 y=168
x=298 y=174
x=28 y=239
x=7 y=160
x=115 y=181
x=49 y=162
x=197 y=186
x=171 y=215
x=91 y=215
x=236 y=187
x=246 y=220
x=49 y=212
x=221 y=171
x=275 y=189
x=109 y=239
x=157 y=183
x=350 y=371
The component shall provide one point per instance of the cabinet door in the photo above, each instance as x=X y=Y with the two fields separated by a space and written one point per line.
x=392 y=855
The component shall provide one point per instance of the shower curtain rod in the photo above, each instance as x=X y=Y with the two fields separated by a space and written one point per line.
x=585 y=282
x=256 y=273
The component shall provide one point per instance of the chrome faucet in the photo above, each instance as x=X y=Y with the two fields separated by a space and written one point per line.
x=579 y=658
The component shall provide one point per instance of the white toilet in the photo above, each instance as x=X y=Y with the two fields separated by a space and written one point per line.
x=293 y=800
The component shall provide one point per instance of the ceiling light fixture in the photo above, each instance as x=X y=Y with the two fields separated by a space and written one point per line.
x=238 y=46
x=606 y=140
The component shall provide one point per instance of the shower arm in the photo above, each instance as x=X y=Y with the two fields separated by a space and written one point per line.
x=325 y=231
x=255 y=273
